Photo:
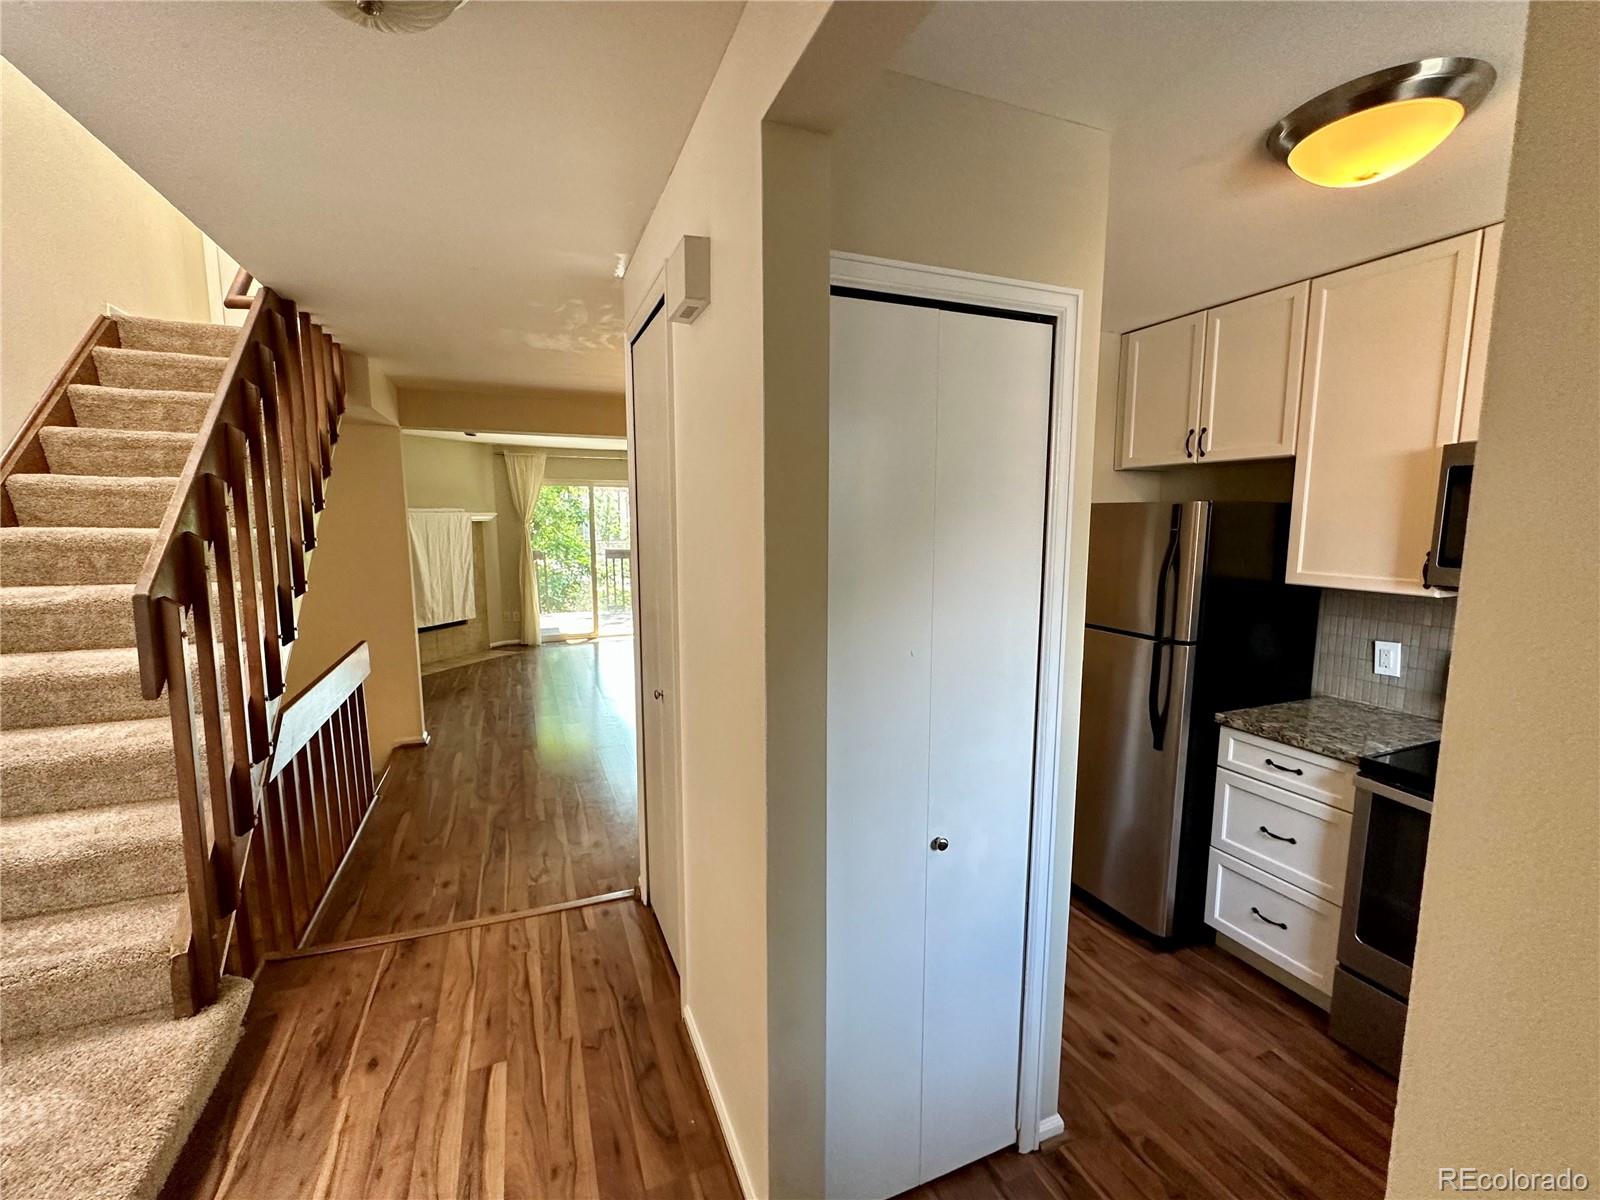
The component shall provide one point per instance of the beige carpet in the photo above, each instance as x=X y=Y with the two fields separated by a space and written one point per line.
x=101 y=1085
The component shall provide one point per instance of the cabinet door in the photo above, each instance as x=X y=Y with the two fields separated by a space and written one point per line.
x=1160 y=393
x=1482 y=318
x=1250 y=401
x=1386 y=356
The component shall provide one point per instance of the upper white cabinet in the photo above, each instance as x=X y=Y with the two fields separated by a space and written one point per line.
x=1250 y=397
x=1482 y=318
x=1385 y=376
x=1216 y=386
x=1160 y=393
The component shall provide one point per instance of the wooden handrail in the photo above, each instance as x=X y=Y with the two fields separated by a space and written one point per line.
x=214 y=622
x=238 y=294
x=301 y=719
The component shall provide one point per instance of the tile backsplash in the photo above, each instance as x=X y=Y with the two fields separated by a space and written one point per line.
x=1351 y=621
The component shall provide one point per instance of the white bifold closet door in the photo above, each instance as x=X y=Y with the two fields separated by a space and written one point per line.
x=939 y=422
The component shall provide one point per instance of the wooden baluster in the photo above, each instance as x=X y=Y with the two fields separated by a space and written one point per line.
x=242 y=943
x=319 y=371
x=352 y=761
x=201 y=964
x=256 y=616
x=274 y=524
x=316 y=456
x=297 y=848
x=335 y=391
x=197 y=592
x=347 y=775
x=339 y=384
x=277 y=414
x=364 y=742
x=292 y=364
x=321 y=857
x=239 y=812
x=275 y=860
x=333 y=783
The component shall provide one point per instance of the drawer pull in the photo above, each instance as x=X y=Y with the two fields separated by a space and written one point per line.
x=1266 y=918
x=1277 y=837
x=1281 y=767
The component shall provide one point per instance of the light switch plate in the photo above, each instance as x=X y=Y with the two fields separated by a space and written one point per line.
x=1386 y=658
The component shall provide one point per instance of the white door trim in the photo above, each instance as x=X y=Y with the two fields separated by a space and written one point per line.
x=1053 y=798
x=654 y=299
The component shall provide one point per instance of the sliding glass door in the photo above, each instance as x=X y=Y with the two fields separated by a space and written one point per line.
x=580 y=538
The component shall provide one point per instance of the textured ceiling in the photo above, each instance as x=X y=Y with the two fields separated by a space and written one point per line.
x=1198 y=212
x=452 y=202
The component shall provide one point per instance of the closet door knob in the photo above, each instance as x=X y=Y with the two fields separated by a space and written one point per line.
x=941 y=844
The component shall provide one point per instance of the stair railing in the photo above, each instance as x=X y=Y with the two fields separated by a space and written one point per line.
x=215 y=617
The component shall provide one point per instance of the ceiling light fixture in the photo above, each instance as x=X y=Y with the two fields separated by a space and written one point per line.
x=1378 y=125
x=395 y=16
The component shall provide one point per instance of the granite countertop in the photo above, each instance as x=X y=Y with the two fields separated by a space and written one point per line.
x=1336 y=728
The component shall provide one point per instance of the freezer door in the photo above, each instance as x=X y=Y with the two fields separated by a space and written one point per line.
x=1130 y=789
x=1146 y=562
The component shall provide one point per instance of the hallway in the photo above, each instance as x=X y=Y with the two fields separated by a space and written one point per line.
x=524 y=798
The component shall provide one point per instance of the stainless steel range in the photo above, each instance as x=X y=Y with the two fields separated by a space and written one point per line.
x=1382 y=900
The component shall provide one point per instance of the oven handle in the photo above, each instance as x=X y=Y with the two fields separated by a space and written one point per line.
x=1421 y=804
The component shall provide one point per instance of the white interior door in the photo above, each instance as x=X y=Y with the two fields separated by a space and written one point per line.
x=938 y=441
x=657 y=646
x=988 y=552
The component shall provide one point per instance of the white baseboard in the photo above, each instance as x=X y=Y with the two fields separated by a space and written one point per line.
x=1051 y=1126
x=740 y=1167
x=505 y=642
x=416 y=741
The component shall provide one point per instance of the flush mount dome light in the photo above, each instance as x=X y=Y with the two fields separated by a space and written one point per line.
x=1378 y=125
x=395 y=16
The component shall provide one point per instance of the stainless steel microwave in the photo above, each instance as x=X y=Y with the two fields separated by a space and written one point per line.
x=1442 y=566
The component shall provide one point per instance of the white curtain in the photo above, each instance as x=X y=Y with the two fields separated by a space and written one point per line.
x=526 y=473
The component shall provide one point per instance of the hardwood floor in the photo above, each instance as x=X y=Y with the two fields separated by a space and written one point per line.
x=526 y=797
x=535 y=1058
x=1187 y=1074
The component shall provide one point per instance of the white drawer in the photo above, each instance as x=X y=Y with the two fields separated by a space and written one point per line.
x=1284 y=925
x=1301 y=841
x=1326 y=779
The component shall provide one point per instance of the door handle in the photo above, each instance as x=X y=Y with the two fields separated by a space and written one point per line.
x=939 y=845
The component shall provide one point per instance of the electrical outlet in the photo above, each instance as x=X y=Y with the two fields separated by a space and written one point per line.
x=1386 y=658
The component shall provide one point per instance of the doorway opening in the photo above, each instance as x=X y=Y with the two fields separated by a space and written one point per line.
x=582 y=553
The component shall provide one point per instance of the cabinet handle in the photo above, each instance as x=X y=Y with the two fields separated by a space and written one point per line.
x=1281 y=767
x=1266 y=918
x=1277 y=837
x=1200 y=445
x=1188 y=441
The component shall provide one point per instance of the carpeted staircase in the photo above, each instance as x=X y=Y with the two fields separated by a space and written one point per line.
x=101 y=1084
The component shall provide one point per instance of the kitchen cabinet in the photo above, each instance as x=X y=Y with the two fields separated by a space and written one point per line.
x=1250 y=397
x=1216 y=386
x=1160 y=393
x=1482 y=318
x=1382 y=391
x=1280 y=841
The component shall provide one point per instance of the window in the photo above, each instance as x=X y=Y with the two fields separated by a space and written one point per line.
x=580 y=536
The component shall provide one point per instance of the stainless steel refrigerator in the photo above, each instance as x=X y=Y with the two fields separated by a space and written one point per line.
x=1187 y=615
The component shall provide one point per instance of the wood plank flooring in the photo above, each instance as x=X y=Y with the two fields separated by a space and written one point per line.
x=525 y=797
x=539 y=1059
x=1187 y=1074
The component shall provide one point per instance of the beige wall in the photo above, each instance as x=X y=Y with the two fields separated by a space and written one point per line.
x=78 y=230
x=930 y=175
x=1502 y=1054
x=715 y=191
x=359 y=584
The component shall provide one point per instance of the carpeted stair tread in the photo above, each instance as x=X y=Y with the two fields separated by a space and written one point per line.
x=63 y=970
x=56 y=556
x=184 y=337
x=76 y=450
x=127 y=501
x=161 y=409
x=158 y=369
x=73 y=687
x=94 y=616
x=64 y=860
x=81 y=766
x=103 y=1112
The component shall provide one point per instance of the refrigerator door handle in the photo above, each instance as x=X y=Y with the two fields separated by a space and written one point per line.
x=1161 y=697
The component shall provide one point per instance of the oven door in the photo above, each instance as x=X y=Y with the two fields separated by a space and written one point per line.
x=1442 y=567
x=1383 y=886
